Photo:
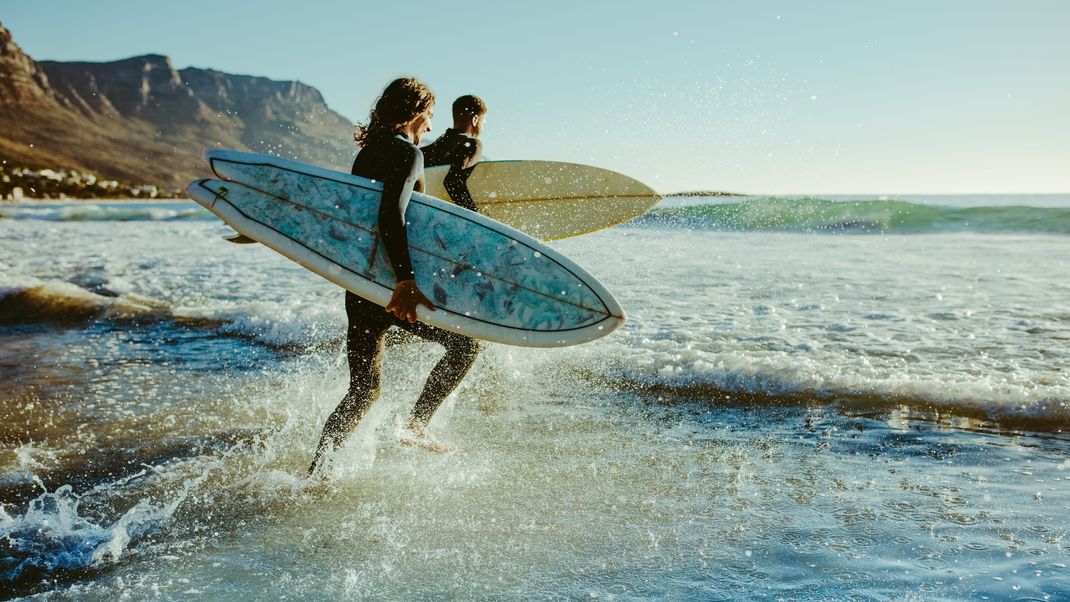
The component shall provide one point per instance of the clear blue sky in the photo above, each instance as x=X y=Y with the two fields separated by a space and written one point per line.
x=947 y=96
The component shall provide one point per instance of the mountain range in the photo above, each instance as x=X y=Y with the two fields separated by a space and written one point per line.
x=141 y=120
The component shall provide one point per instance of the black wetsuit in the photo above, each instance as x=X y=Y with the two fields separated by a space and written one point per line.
x=461 y=153
x=398 y=164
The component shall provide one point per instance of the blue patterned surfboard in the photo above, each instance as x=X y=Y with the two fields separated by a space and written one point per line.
x=486 y=279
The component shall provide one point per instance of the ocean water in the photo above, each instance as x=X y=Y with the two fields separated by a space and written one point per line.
x=814 y=398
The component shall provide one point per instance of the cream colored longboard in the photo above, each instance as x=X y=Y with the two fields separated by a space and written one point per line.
x=548 y=199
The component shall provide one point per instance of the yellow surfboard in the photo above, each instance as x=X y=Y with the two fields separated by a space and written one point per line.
x=548 y=199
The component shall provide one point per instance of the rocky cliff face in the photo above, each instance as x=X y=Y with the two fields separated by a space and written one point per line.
x=21 y=79
x=141 y=120
x=144 y=87
x=284 y=118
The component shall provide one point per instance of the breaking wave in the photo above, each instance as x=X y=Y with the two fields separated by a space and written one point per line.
x=274 y=324
x=737 y=377
x=864 y=216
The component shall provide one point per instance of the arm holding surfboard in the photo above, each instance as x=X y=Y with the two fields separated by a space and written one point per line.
x=397 y=191
x=456 y=181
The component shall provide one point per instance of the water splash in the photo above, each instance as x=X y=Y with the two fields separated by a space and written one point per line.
x=54 y=535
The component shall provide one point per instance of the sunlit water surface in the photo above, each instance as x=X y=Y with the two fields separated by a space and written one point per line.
x=788 y=414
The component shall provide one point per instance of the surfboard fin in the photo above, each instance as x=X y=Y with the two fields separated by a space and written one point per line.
x=238 y=238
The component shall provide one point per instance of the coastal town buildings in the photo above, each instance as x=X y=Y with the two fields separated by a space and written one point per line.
x=21 y=183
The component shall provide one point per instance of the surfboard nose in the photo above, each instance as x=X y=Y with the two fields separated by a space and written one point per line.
x=206 y=192
x=211 y=155
x=193 y=187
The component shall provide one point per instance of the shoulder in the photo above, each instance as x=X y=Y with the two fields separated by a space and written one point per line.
x=404 y=152
x=402 y=146
x=469 y=149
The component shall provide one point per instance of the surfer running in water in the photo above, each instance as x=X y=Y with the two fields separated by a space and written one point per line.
x=460 y=148
x=389 y=155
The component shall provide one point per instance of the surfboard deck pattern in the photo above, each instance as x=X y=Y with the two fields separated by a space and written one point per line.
x=548 y=199
x=487 y=280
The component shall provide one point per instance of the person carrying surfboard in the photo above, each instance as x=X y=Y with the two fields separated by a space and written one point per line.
x=460 y=148
x=389 y=154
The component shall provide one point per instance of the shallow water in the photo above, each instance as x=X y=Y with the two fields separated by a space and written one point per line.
x=787 y=415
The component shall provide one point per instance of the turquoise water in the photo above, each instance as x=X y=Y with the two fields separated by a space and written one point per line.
x=801 y=407
x=1044 y=214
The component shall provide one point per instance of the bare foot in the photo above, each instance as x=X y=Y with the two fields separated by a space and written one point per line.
x=418 y=436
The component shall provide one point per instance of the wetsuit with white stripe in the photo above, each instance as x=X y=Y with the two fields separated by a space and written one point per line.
x=398 y=164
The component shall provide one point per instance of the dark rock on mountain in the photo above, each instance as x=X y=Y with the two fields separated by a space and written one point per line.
x=21 y=79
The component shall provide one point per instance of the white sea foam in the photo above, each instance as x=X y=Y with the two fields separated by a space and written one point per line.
x=957 y=319
x=826 y=375
x=272 y=322
x=892 y=318
x=52 y=534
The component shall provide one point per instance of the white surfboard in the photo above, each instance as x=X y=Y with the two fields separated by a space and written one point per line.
x=548 y=199
x=486 y=279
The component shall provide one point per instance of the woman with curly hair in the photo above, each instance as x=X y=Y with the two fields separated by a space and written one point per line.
x=389 y=154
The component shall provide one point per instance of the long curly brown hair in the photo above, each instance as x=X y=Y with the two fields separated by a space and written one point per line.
x=401 y=101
